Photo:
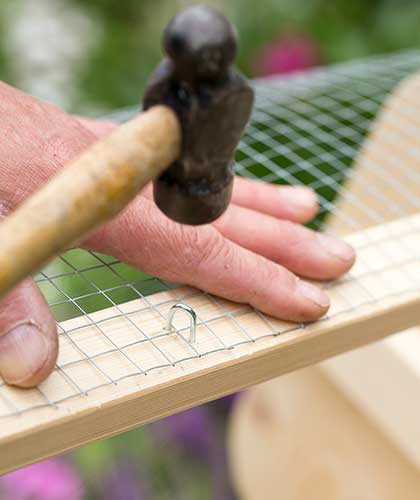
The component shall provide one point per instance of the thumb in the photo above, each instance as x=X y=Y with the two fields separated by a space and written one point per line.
x=28 y=336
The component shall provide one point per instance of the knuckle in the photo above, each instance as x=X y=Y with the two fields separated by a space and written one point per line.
x=297 y=236
x=274 y=274
x=273 y=290
x=202 y=243
x=201 y=246
x=214 y=248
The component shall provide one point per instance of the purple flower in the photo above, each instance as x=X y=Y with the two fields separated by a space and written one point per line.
x=123 y=483
x=286 y=55
x=50 y=480
x=190 y=430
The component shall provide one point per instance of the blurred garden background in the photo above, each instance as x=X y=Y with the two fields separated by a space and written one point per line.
x=93 y=57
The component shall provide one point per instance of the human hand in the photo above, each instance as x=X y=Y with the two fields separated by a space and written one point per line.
x=250 y=254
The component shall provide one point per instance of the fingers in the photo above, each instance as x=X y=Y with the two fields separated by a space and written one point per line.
x=295 y=203
x=28 y=336
x=202 y=257
x=301 y=250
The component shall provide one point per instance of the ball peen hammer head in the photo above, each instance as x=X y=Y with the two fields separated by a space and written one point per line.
x=201 y=43
x=212 y=101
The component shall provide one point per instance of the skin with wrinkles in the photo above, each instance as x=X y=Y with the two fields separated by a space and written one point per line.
x=251 y=254
x=91 y=190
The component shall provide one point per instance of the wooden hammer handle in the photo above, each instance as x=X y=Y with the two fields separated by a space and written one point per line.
x=89 y=191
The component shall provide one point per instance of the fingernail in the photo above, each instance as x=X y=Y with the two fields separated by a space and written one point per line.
x=313 y=293
x=23 y=351
x=336 y=247
x=300 y=197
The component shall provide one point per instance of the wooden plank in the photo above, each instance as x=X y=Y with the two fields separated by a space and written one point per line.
x=300 y=435
x=384 y=183
x=352 y=420
x=236 y=347
x=383 y=379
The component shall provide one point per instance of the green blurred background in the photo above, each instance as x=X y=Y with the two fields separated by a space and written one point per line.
x=94 y=56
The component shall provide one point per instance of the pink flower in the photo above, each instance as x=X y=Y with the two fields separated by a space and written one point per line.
x=286 y=55
x=50 y=480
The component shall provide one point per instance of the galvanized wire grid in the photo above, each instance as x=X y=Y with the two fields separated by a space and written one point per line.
x=306 y=129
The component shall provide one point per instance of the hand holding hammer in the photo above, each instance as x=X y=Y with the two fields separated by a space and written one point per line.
x=197 y=106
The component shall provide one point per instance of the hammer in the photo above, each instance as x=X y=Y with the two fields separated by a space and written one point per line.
x=196 y=108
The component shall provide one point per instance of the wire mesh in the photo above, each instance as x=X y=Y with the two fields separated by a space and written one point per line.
x=306 y=129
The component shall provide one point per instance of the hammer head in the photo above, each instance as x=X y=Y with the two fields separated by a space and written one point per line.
x=213 y=103
x=201 y=43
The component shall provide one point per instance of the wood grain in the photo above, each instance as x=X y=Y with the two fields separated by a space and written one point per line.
x=89 y=191
x=353 y=420
x=299 y=435
x=240 y=349
x=383 y=379
x=384 y=183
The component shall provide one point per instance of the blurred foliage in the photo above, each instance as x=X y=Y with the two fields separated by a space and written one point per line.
x=342 y=29
x=5 y=73
x=117 y=67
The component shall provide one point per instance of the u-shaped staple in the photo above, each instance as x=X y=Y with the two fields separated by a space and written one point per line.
x=193 y=320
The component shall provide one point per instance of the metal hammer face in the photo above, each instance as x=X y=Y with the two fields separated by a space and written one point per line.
x=213 y=103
